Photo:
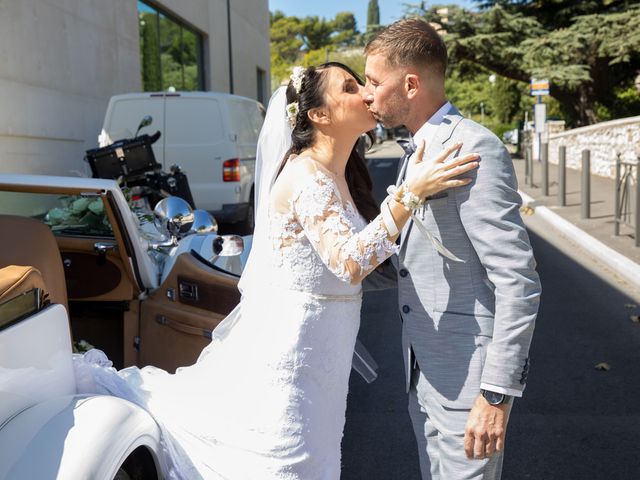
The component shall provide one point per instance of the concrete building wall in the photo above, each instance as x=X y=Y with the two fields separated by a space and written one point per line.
x=61 y=61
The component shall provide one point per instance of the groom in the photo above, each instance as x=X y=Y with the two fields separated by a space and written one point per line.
x=468 y=296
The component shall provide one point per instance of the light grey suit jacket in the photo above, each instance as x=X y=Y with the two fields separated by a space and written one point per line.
x=469 y=323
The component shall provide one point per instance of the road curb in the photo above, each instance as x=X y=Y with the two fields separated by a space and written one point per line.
x=623 y=266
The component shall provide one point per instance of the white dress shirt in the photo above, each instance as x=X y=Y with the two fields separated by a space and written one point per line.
x=427 y=132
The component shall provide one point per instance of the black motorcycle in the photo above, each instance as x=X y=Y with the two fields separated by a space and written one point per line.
x=131 y=161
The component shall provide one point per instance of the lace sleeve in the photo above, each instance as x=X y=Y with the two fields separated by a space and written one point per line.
x=349 y=255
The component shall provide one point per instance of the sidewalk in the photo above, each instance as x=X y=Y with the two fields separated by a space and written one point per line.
x=594 y=234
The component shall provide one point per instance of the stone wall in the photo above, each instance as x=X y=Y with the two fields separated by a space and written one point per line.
x=605 y=141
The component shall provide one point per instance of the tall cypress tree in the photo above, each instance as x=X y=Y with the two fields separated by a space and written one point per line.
x=373 y=14
x=151 y=74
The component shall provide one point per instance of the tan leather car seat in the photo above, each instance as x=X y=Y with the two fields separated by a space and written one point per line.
x=29 y=242
x=15 y=280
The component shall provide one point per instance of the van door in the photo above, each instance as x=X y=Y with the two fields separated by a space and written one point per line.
x=246 y=121
x=197 y=140
x=125 y=112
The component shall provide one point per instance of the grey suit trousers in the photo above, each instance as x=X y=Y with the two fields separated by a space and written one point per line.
x=439 y=432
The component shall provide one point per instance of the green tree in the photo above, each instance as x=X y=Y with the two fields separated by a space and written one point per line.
x=344 y=29
x=587 y=57
x=373 y=14
x=310 y=41
x=285 y=45
x=352 y=58
x=554 y=14
x=151 y=72
x=316 y=32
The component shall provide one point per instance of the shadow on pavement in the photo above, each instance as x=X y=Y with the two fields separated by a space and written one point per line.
x=574 y=422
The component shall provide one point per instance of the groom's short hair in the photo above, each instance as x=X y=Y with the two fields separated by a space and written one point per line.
x=410 y=42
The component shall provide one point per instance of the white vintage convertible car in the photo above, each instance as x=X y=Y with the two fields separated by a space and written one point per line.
x=78 y=266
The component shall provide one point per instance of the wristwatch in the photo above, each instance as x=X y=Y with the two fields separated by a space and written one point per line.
x=495 y=398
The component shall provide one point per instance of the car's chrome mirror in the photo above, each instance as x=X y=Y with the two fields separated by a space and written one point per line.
x=227 y=246
x=203 y=223
x=173 y=217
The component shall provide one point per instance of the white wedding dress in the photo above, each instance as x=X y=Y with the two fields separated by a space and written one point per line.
x=267 y=399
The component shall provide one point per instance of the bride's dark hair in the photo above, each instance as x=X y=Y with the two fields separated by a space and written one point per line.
x=312 y=96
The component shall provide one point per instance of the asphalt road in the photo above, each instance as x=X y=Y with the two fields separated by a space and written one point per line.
x=574 y=422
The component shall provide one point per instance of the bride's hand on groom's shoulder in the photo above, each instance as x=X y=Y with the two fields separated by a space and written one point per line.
x=429 y=177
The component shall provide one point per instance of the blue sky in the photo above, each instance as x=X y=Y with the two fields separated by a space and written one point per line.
x=390 y=10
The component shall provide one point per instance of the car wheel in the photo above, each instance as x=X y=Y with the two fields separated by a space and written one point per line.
x=138 y=466
x=121 y=474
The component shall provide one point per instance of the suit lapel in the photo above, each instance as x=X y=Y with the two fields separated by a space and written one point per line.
x=443 y=134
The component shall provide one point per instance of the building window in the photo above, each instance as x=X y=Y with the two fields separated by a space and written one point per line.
x=261 y=77
x=170 y=52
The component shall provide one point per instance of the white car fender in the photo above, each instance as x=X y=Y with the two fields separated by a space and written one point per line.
x=75 y=437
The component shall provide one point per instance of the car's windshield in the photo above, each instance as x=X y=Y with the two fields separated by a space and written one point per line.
x=77 y=215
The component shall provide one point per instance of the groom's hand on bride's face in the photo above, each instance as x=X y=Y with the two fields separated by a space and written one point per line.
x=485 y=430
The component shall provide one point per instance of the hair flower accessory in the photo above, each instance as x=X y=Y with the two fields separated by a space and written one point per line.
x=292 y=113
x=296 y=78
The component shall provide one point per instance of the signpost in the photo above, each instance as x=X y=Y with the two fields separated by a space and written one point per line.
x=539 y=117
x=538 y=88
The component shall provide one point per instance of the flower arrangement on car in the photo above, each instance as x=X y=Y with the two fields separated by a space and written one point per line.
x=88 y=214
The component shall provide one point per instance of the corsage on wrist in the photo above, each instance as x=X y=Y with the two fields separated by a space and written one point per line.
x=409 y=200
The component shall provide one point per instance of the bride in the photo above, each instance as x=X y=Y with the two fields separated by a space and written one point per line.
x=267 y=398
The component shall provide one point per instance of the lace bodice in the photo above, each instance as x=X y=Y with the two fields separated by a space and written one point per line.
x=320 y=242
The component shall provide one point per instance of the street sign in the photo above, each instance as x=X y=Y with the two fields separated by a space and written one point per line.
x=539 y=87
x=540 y=117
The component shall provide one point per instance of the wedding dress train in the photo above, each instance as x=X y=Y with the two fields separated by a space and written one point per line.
x=267 y=399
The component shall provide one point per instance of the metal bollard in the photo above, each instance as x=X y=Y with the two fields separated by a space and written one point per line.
x=637 y=202
x=544 y=156
x=616 y=205
x=527 y=180
x=562 y=176
x=531 y=184
x=586 y=184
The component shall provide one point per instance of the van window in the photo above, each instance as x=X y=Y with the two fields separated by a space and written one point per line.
x=247 y=121
x=127 y=113
x=257 y=114
x=193 y=121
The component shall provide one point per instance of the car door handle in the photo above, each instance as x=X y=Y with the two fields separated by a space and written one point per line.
x=181 y=327
x=102 y=248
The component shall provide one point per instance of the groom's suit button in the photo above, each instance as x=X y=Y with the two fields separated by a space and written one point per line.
x=405 y=309
x=404 y=272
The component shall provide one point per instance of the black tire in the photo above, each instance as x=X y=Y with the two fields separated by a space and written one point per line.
x=122 y=474
x=138 y=466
